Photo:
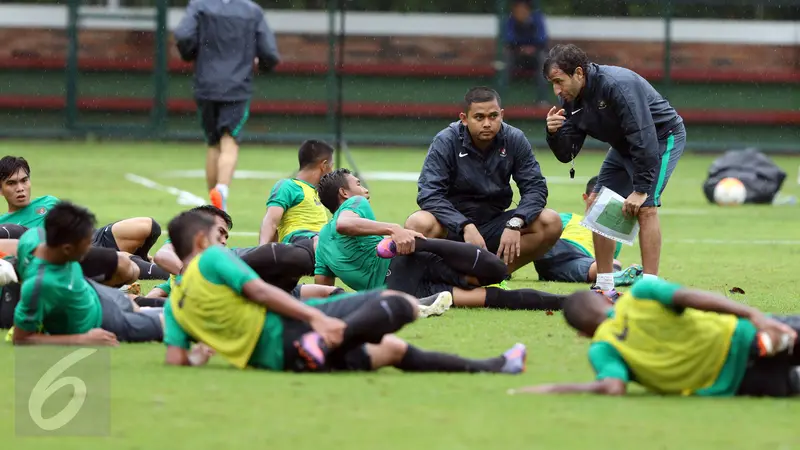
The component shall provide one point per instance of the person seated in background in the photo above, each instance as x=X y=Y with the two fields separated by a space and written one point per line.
x=678 y=341
x=572 y=258
x=222 y=304
x=134 y=236
x=294 y=211
x=423 y=267
x=58 y=304
x=281 y=265
x=526 y=43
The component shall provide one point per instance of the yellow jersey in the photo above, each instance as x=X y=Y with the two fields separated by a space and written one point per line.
x=579 y=236
x=303 y=212
x=206 y=305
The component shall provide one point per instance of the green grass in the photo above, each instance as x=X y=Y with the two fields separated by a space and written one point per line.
x=154 y=406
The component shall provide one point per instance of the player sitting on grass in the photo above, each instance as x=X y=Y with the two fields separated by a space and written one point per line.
x=294 y=211
x=281 y=265
x=222 y=303
x=674 y=340
x=58 y=305
x=572 y=258
x=347 y=250
x=135 y=236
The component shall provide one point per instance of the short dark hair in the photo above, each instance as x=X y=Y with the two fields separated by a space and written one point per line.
x=328 y=188
x=183 y=227
x=480 y=94
x=313 y=151
x=590 y=185
x=216 y=212
x=581 y=310
x=9 y=165
x=68 y=223
x=567 y=57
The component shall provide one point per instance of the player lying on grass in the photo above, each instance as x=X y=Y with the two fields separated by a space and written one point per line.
x=674 y=340
x=135 y=236
x=58 y=305
x=424 y=267
x=294 y=211
x=281 y=265
x=572 y=258
x=222 y=303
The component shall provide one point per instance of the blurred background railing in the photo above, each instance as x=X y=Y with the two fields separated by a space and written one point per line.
x=109 y=67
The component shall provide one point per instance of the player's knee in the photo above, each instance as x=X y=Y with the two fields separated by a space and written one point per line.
x=548 y=224
x=127 y=271
x=12 y=231
x=422 y=222
x=155 y=228
x=404 y=307
x=648 y=213
x=393 y=349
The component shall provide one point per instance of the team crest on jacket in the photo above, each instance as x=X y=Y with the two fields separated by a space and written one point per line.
x=503 y=152
x=602 y=104
x=41 y=211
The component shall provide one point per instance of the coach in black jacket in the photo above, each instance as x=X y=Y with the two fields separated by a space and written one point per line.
x=224 y=38
x=647 y=137
x=464 y=189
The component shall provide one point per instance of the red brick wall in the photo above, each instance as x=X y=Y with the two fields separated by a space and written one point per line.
x=117 y=44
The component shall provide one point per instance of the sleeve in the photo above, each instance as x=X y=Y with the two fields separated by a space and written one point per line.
x=186 y=33
x=285 y=194
x=321 y=268
x=220 y=266
x=656 y=289
x=607 y=362
x=541 y=29
x=567 y=142
x=29 y=312
x=165 y=286
x=511 y=37
x=532 y=185
x=266 y=45
x=433 y=185
x=174 y=335
x=630 y=104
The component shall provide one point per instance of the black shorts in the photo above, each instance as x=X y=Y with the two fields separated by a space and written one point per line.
x=218 y=118
x=100 y=264
x=339 y=306
x=103 y=237
x=773 y=376
x=11 y=231
x=120 y=319
x=491 y=231
x=422 y=274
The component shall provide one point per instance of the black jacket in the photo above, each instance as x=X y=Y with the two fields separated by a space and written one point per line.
x=619 y=107
x=459 y=184
x=224 y=37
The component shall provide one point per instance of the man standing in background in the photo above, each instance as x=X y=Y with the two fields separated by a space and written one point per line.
x=223 y=38
x=526 y=42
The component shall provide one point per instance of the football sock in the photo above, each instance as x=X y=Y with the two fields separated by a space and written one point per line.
x=155 y=233
x=417 y=360
x=649 y=276
x=466 y=259
x=527 y=299
x=149 y=270
x=605 y=281
x=223 y=190
x=148 y=301
x=376 y=318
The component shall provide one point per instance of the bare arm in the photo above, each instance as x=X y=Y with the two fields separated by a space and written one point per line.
x=269 y=226
x=278 y=301
x=324 y=280
x=707 y=301
x=22 y=337
x=166 y=258
x=350 y=224
x=608 y=386
x=156 y=292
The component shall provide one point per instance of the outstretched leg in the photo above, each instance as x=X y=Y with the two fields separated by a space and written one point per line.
x=516 y=299
x=466 y=259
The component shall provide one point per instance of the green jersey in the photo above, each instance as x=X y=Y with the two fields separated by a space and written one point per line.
x=31 y=216
x=353 y=259
x=54 y=299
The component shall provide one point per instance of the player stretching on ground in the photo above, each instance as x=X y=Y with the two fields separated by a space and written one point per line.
x=647 y=137
x=572 y=258
x=464 y=189
x=423 y=267
x=674 y=340
x=294 y=211
x=135 y=236
x=281 y=265
x=220 y=302
x=223 y=39
x=58 y=305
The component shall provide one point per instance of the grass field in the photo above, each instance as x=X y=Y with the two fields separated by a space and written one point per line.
x=153 y=406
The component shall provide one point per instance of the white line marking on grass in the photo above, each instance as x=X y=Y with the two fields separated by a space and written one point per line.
x=183 y=197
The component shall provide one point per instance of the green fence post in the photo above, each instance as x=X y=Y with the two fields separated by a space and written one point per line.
x=330 y=82
x=667 y=47
x=501 y=69
x=160 y=69
x=71 y=111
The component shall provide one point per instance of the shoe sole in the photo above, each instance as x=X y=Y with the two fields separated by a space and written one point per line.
x=443 y=302
x=311 y=362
